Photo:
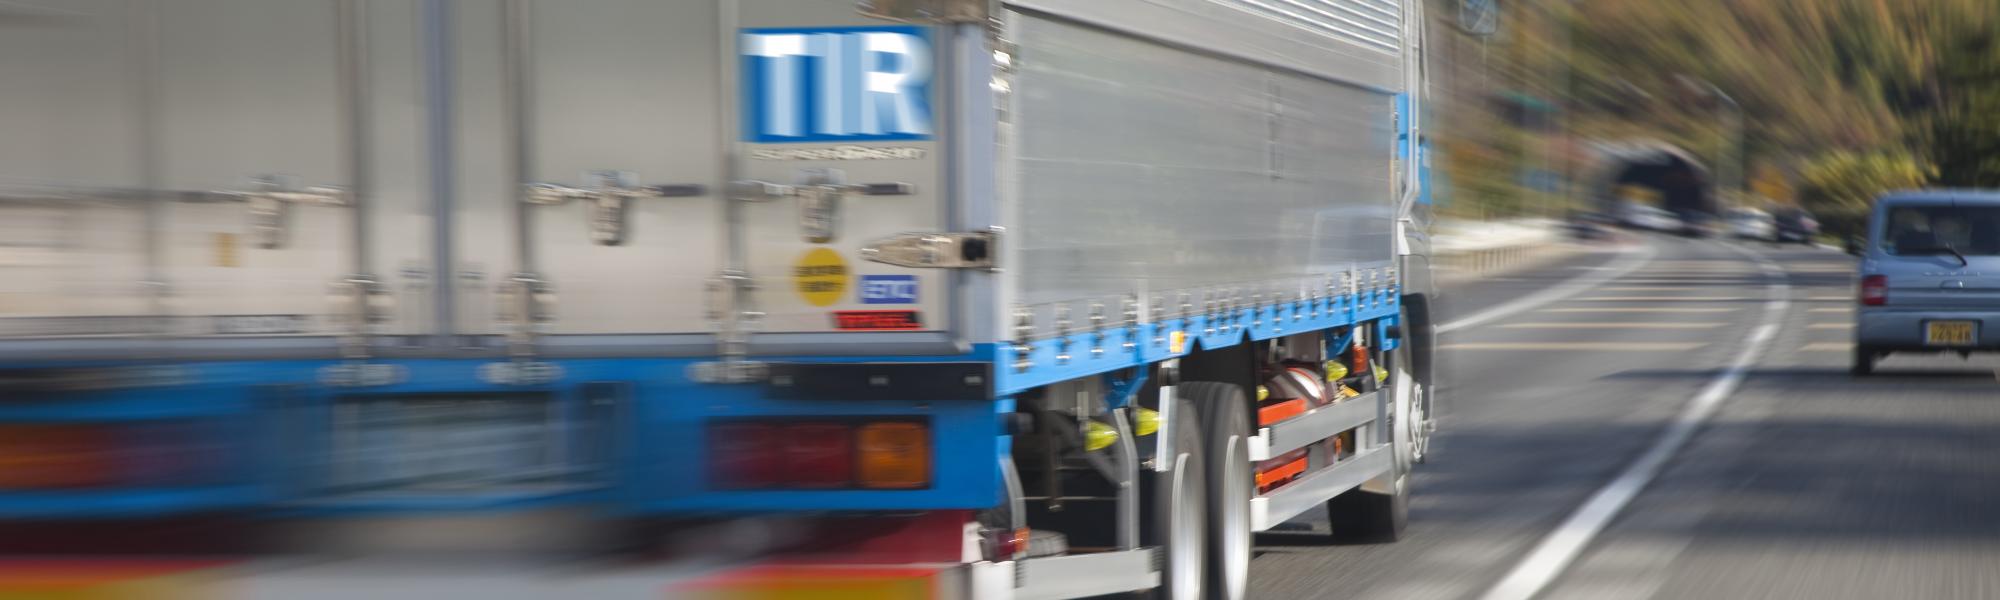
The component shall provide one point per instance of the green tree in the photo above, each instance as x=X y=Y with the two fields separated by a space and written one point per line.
x=1841 y=187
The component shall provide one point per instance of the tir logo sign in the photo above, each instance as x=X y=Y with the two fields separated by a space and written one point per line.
x=836 y=84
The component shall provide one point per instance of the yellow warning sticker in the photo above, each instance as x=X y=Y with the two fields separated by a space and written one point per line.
x=820 y=276
x=1177 y=342
x=225 y=250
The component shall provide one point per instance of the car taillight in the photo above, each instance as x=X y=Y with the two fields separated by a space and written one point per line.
x=819 y=455
x=1874 y=290
x=782 y=454
x=744 y=455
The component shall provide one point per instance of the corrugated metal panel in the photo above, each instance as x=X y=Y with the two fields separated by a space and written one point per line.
x=1147 y=170
x=1374 y=24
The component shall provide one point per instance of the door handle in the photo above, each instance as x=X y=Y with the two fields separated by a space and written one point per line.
x=609 y=194
x=819 y=196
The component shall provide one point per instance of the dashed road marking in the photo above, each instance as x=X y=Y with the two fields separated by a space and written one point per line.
x=1624 y=265
x=1638 y=309
x=1659 y=298
x=1560 y=325
x=1554 y=553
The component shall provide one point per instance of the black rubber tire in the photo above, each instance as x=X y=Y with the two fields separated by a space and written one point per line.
x=1167 y=495
x=1231 y=482
x=1864 y=361
x=1361 y=515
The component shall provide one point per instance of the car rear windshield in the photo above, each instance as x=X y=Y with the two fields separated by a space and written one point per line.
x=1923 y=230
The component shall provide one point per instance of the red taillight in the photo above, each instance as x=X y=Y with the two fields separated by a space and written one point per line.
x=745 y=455
x=806 y=455
x=56 y=456
x=1874 y=290
x=819 y=455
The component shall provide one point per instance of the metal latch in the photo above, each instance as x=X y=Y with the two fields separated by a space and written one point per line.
x=526 y=302
x=610 y=194
x=819 y=193
x=967 y=250
x=732 y=307
x=929 y=11
x=270 y=199
x=360 y=302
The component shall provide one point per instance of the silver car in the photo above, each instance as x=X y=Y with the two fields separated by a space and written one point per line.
x=1930 y=276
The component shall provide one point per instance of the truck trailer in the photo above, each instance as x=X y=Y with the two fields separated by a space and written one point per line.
x=980 y=298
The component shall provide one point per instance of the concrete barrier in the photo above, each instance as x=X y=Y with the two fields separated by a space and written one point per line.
x=1475 y=249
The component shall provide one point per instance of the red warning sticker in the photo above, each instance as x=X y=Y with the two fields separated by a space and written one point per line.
x=876 y=320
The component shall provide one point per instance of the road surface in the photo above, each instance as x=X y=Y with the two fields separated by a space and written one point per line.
x=1802 y=482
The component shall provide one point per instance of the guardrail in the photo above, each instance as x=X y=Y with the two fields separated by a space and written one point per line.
x=1475 y=249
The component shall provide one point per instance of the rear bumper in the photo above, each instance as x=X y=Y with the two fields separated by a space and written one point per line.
x=1903 y=330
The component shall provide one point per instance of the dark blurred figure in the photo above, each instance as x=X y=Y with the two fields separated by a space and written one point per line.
x=1796 y=225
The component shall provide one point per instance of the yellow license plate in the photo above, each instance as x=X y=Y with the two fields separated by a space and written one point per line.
x=1948 y=333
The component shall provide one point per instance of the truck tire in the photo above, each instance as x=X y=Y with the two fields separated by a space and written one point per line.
x=1225 y=418
x=1418 y=351
x=1378 y=510
x=1177 y=509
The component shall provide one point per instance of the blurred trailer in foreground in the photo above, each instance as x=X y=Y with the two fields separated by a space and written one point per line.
x=915 y=298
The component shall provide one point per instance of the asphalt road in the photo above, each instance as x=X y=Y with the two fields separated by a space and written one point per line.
x=1803 y=483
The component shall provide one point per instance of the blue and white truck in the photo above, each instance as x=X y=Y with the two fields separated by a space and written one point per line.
x=982 y=298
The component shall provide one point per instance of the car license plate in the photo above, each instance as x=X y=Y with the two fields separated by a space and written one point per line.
x=1949 y=333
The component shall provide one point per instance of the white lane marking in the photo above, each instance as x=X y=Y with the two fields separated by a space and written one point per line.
x=1579 y=346
x=1659 y=298
x=1827 y=347
x=1555 y=552
x=1597 y=325
x=1629 y=262
x=1637 y=310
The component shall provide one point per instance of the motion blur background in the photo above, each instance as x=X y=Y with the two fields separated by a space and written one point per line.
x=1817 y=103
x=1541 y=114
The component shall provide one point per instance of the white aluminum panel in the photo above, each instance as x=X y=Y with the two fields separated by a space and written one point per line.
x=774 y=239
x=248 y=89
x=72 y=230
x=1143 y=170
x=618 y=85
x=110 y=98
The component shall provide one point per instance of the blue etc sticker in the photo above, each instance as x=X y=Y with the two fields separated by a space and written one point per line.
x=888 y=289
x=842 y=84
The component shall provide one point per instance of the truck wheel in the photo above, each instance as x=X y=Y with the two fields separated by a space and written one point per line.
x=1415 y=355
x=1225 y=417
x=1178 y=508
x=1378 y=510
x=1864 y=361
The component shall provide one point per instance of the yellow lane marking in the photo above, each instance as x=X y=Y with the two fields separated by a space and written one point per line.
x=1830 y=310
x=1660 y=298
x=1612 y=325
x=1827 y=347
x=1830 y=326
x=1581 y=346
x=1638 y=310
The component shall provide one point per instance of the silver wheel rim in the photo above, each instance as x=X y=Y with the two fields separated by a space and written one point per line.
x=1184 y=560
x=1235 y=519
